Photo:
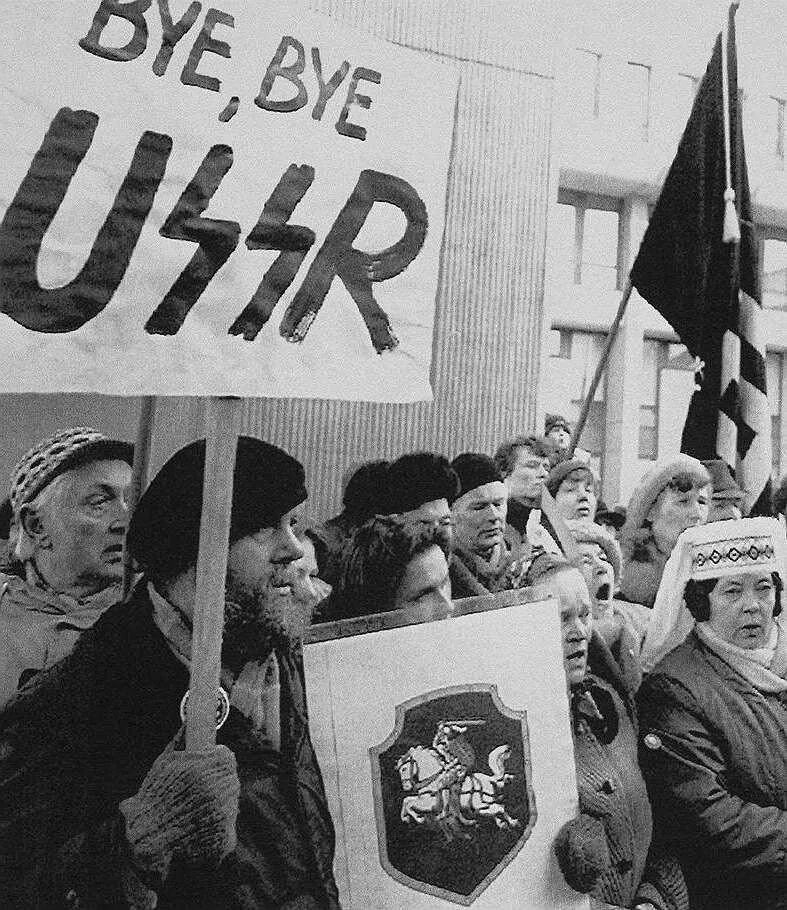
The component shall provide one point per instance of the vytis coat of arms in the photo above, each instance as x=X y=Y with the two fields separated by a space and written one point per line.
x=453 y=795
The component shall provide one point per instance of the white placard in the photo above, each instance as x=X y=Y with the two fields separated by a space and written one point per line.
x=252 y=207
x=376 y=699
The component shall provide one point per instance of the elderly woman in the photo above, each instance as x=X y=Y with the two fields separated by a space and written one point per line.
x=606 y=850
x=620 y=624
x=714 y=714
x=671 y=496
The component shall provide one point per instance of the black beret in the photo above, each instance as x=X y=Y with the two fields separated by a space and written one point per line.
x=163 y=536
x=475 y=470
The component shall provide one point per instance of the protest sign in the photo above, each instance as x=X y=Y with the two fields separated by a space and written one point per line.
x=244 y=199
x=447 y=757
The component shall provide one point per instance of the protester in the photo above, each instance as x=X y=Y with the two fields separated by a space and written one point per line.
x=727 y=497
x=605 y=851
x=620 y=624
x=421 y=487
x=481 y=563
x=558 y=431
x=672 y=495
x=307 y=586
x=6 y=565
x=610 y=519
x=68 y=503
x=524 y=463
x=713 y=713
x=360 y=501
x=780 y=498
x=100 y=807
x=573 y=486
x=390 y=564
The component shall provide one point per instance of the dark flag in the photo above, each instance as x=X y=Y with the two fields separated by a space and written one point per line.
x=708 y=289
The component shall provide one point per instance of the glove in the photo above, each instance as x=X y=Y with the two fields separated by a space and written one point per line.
x=582 y=852
x=186 y=808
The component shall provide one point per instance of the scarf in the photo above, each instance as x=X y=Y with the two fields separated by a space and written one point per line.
x=38 y=597
x=592 y=706
x=765 y=668
x=255 y=692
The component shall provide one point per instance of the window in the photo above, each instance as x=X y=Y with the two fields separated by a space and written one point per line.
x=586 y=84
x=654 y=357
x=585 y=239
x=567 y=380
x=560 y=343
x=774 y=271
x=779 y=127
x=633 y=106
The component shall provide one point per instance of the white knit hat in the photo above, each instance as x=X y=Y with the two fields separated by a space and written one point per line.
x=713 y=550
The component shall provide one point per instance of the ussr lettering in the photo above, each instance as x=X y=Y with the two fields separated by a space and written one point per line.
x=67 y=308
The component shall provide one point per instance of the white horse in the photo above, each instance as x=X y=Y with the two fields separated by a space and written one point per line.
x=423 y=770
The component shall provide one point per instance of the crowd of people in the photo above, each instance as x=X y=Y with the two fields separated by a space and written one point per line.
x=674 y=648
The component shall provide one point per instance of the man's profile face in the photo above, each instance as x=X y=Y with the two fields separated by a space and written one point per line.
x=261 y=609
x=560 y=436
x=84 y=527
x=528 y=475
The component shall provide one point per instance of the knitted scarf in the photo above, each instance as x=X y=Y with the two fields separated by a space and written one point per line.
x=256 y=695
x=765 y=668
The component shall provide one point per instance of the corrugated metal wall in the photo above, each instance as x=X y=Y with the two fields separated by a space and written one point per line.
x=489 y=306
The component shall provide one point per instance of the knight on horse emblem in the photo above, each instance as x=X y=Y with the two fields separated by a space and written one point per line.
x=445 y=787
x=448 y=821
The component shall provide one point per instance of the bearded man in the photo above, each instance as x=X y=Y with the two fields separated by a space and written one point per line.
x=103 y=809
x=68 y=504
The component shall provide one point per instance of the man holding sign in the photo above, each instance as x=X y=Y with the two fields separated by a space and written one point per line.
x=103 y=806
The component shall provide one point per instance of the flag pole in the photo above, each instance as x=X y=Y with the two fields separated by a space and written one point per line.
x=591 y=393
x=139 y=475
x=221 y=441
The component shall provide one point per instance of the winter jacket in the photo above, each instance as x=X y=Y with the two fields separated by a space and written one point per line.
x=714 y=753
x=472 y=576
x=39 y=626
x=606 y=850
x=81 y=737
x=643 y=566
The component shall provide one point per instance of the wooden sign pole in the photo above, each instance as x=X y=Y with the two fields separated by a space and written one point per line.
x=139 y=475
x=221 y=434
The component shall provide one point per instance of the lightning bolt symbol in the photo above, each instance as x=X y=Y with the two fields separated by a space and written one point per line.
x=216 y=238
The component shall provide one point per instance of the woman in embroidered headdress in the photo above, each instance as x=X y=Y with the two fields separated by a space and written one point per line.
x=605 y=851
x=714 y=713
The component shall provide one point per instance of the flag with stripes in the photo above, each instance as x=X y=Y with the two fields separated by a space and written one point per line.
x=708 y=289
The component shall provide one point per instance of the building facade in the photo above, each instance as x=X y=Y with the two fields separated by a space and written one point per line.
x=622 y=105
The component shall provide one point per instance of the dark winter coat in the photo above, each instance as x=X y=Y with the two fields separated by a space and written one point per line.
x=715 y=759
x=81 y=737
x=612 y=834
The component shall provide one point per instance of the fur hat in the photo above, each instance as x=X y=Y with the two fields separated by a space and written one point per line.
x=61 y=452
x=647 y=491
x=475 y=470
x=163 y=536
x=588 y=532
x=562 y=469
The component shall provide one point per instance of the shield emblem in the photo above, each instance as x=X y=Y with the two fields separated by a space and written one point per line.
x=453 y=795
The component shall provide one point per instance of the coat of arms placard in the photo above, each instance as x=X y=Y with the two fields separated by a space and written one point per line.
x=454 y=801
